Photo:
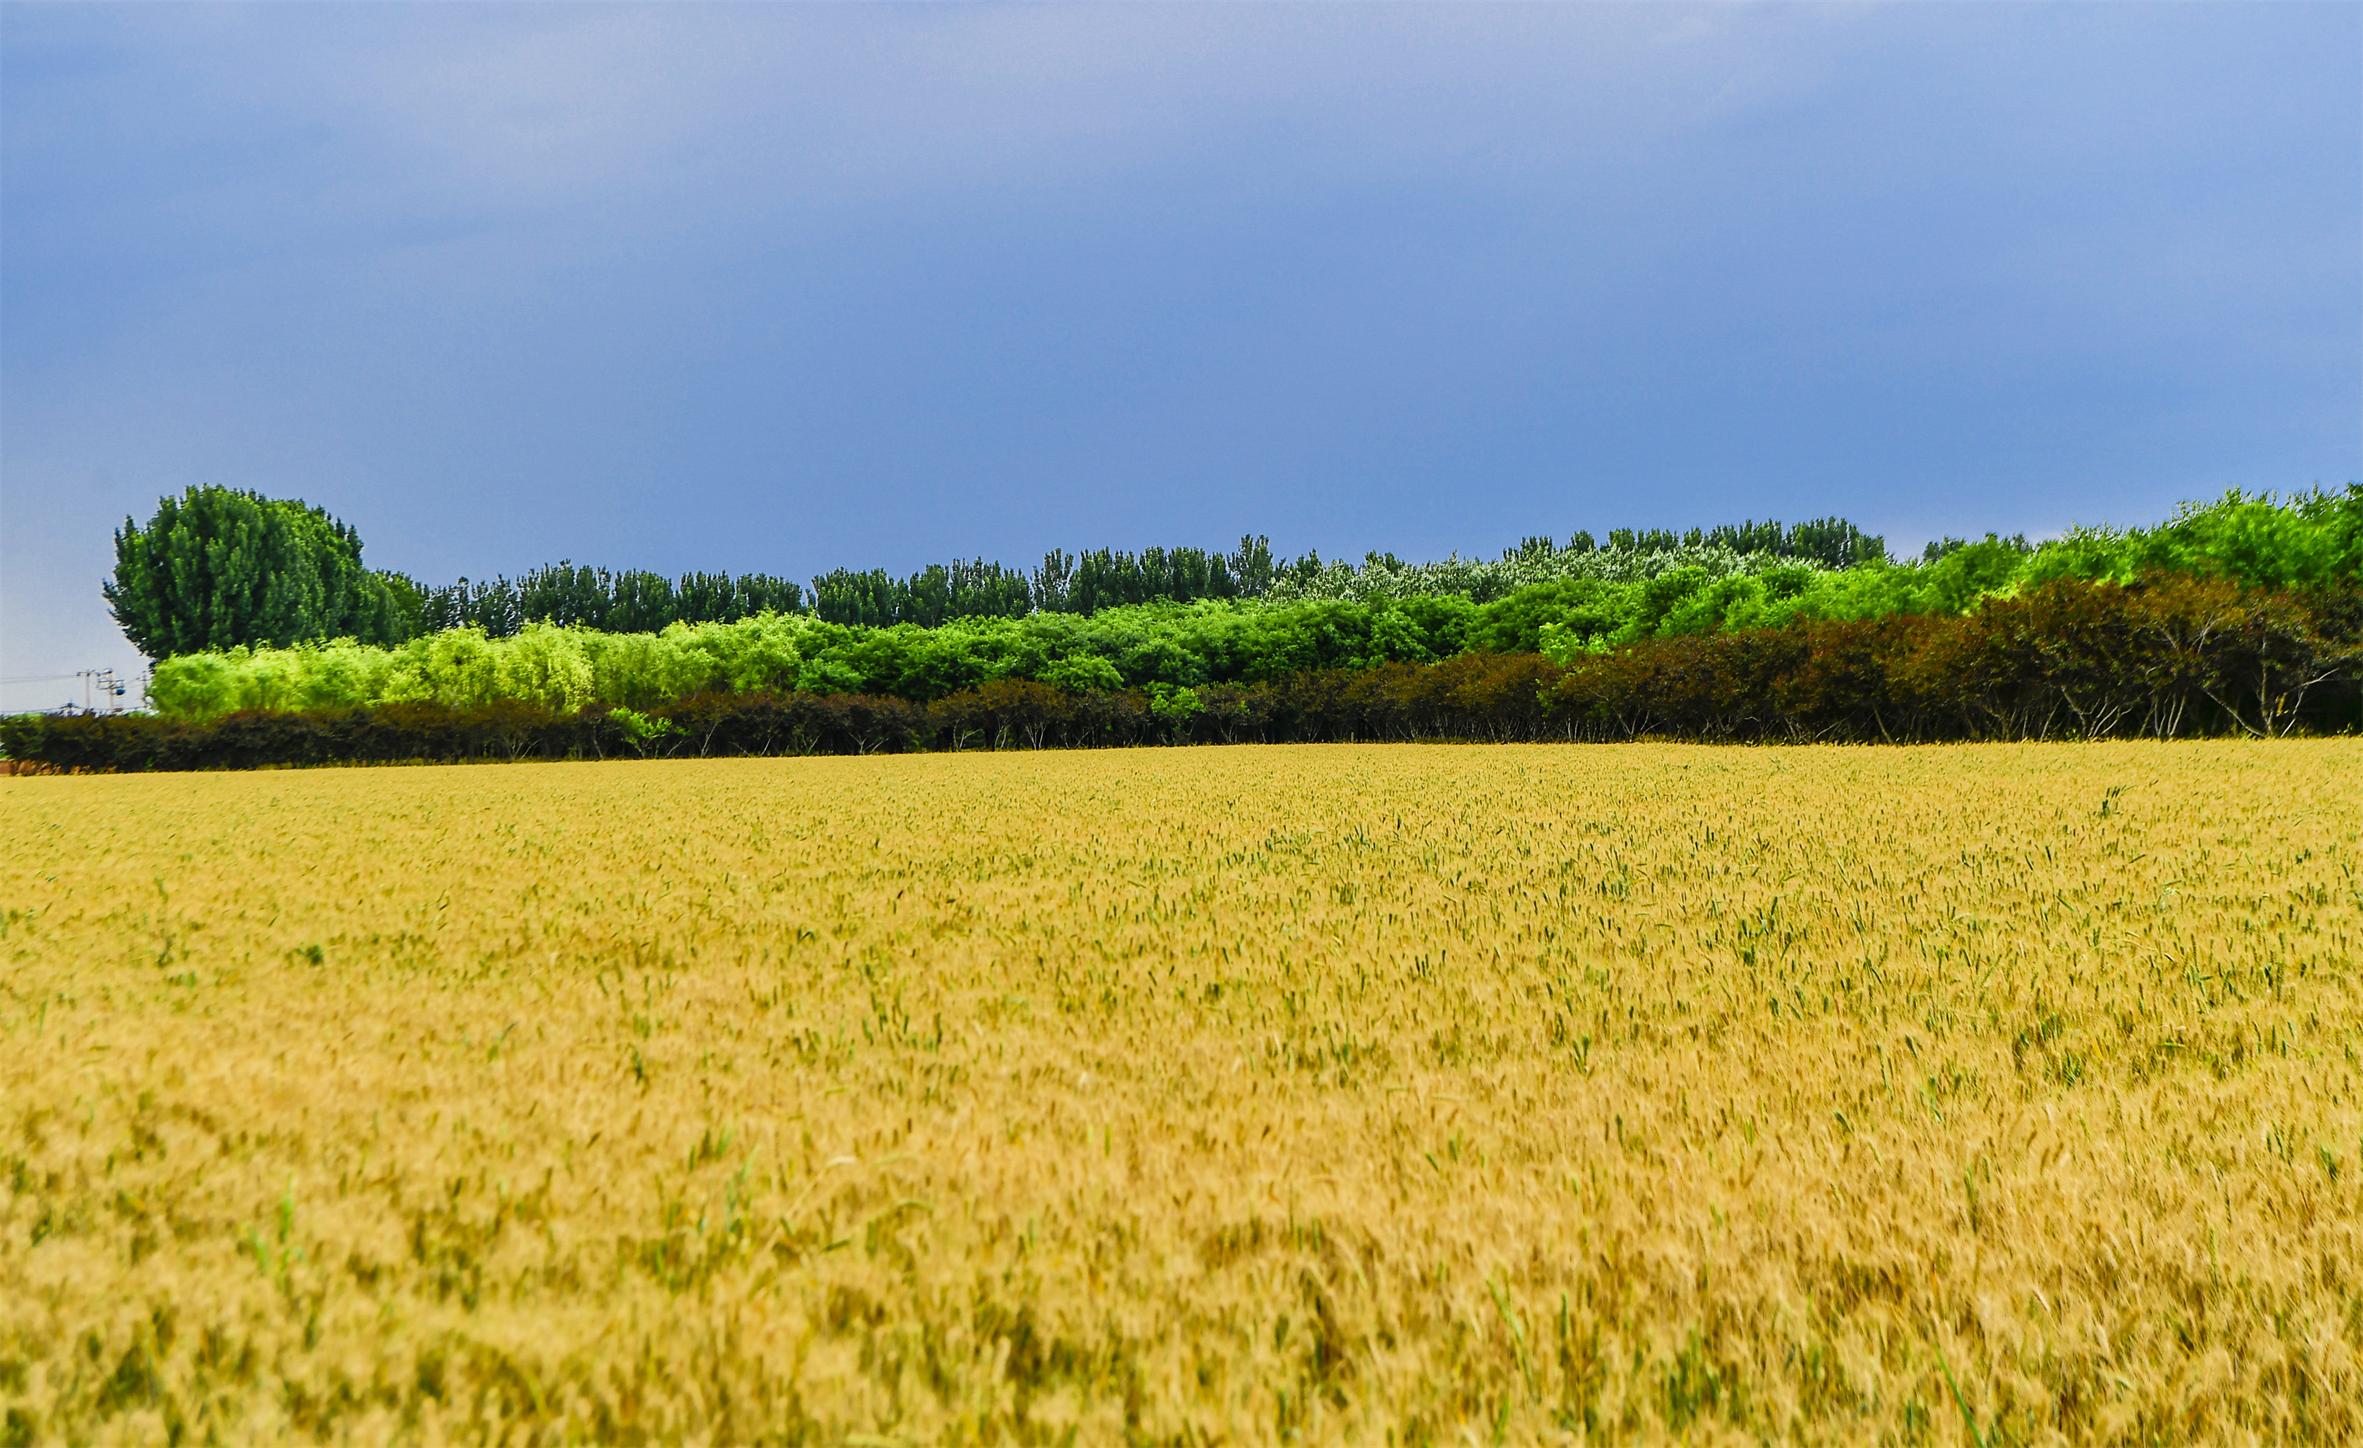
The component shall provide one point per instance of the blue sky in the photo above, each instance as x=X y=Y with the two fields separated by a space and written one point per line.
x=784 y=288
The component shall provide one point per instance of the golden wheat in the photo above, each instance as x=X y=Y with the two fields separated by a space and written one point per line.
x=1450 y=1094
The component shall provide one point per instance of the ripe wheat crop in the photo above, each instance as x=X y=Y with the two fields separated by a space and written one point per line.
x=2001 y=1093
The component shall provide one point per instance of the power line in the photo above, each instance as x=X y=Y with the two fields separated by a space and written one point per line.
x=101 y=688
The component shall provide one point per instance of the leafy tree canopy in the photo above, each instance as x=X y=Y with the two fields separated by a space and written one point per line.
x=220 y=568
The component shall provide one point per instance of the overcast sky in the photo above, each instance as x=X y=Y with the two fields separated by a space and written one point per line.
x=785 y=288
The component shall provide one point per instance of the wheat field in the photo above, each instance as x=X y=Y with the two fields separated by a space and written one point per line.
x=1334 y=1094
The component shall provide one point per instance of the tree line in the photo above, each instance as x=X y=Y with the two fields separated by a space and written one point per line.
x=2167 y=657
x=937 y=594
x=2304 y=548
x=219 y=568
x=631 y=601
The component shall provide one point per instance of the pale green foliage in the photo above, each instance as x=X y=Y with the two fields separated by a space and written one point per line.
x=342 y=674
x=761 y=652
x=459 y=667
x=198 y=686
x=545 y=665
x=1382 y=576
x=542 y=664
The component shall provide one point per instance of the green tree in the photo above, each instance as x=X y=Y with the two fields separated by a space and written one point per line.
x=218 y=568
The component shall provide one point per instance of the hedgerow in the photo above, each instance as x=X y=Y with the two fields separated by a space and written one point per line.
x=2165 y=657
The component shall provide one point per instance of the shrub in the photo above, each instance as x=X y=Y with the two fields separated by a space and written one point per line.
x=2162 y=656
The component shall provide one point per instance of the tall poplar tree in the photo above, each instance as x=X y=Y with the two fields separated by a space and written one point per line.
x=219 y=567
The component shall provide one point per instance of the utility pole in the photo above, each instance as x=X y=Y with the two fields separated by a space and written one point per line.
x=101 y=686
